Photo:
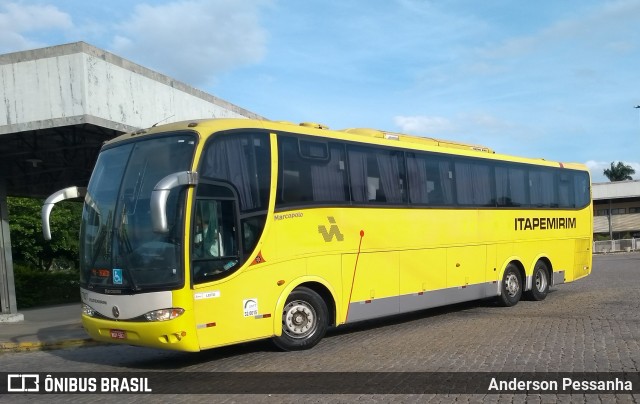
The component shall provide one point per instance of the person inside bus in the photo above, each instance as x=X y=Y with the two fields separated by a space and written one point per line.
x=208 y=240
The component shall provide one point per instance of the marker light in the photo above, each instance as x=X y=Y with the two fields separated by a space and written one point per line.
x=88 y=310
x=164 y=314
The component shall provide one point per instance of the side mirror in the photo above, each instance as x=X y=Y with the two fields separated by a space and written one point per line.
x=67 y=193
x=160 y=194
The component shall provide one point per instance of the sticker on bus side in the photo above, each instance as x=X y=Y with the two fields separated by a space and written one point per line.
x=117 y=276
x=250 y=307
x=207 y=295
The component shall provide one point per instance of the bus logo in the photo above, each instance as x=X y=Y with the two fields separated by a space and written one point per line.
x=19 y=383
x=333 y=231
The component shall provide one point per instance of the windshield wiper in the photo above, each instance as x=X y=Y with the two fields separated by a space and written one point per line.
x=134 y=286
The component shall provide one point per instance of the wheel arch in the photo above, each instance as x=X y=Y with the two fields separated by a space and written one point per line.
x=318 y=285
x=547 y=262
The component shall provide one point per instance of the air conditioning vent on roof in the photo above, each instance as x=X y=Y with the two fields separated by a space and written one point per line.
x=314 y=125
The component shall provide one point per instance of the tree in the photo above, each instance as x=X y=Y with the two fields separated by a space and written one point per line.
x=28 y=245
x=619 y=172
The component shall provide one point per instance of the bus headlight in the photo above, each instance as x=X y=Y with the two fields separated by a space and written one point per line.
x=164 y=314
x=88 y=310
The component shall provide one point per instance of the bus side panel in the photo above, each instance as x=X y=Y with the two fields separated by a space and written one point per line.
x=583 y=258
x=559 y=253
x=466 y=265
x=448 y=275
x=373 y=290
x=242 y=308
x=329 y=268
x=423 y=270
x=505 y=253
x=491 y=270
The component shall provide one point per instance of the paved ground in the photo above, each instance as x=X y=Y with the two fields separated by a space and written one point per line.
x=592 y=325
x=50 y=327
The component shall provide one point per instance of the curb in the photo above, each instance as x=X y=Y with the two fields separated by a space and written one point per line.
x=11 y=318
x=47 y=346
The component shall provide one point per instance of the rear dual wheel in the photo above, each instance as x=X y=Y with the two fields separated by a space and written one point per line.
x=512 y=284
x=540 y=284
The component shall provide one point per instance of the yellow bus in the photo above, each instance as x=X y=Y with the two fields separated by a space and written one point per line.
x=207 y=233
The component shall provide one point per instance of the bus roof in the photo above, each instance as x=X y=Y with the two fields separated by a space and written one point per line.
x=416 y=139
x=316 y=129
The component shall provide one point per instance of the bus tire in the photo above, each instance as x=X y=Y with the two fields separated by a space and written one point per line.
x=540 y=282
x=511 y=287
x=304 y=320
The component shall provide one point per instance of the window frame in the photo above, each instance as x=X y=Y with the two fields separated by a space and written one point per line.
x=549 y=178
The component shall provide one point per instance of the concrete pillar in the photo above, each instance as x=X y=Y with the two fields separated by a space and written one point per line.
x=610 y=224
x=8 y=307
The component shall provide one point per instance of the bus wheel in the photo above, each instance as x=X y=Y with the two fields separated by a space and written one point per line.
x=304 y=320
x=511 y=289
x=540 y=286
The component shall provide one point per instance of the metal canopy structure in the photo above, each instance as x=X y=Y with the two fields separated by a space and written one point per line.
x=58 y=105
x=37 y=163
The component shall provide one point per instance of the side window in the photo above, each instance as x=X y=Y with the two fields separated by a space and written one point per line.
x=240 y=161
x=582 y=189
x=566 y=195
x=510 y=186
x=430 y=180
x=215 y=230
x=251 y=227
x=473 y=183
x=542 y=189
x=215 y=242
x=243 y=160
x=310 y=172
x=377 y=175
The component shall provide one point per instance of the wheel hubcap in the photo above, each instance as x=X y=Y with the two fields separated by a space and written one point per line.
x=541 y=281
x=299 y=319
x=512 y=286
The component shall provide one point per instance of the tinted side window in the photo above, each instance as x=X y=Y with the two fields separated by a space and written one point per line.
x=474 y=183
x=376 y=175
x=511 y=187
x=310 y=172
x=542 y=190
x=430 y=180
x=244 y=160
x=566 y=195
x=582 y=189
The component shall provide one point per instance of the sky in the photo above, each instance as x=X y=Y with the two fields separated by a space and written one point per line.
x=553 y=79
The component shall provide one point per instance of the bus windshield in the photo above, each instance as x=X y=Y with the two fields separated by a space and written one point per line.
x=119 y=252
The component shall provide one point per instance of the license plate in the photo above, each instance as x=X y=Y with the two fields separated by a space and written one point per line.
x=118 y=334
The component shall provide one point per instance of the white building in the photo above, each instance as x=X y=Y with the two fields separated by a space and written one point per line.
x=57 y=107
x=616 y=209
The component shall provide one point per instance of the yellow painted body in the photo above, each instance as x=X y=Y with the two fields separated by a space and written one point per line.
x=384 y=253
